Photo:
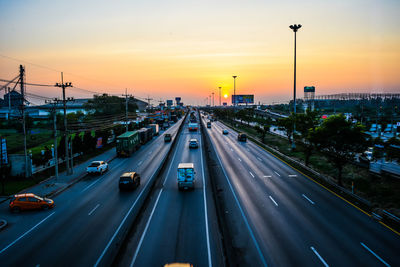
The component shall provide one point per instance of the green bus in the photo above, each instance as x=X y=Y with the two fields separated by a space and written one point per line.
x=127 y=143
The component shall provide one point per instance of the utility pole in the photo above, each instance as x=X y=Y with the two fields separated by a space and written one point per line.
x=9 y=103
x=219 y=96
x=65 y=100
x=213 y=99
x=54 y=111
x=126 y=108
x=148 y=100
x=21 y=80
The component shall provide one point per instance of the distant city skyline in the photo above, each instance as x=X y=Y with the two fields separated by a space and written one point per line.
x=166 y=49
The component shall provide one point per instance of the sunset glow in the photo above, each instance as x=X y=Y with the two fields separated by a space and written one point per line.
x=189 y=48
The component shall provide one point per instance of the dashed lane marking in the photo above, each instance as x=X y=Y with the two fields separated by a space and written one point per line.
x=276 y=204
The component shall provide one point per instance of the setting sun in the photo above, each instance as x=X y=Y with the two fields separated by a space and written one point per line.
x=225 y=96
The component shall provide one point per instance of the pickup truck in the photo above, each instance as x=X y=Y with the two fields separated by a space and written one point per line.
x=98 y=167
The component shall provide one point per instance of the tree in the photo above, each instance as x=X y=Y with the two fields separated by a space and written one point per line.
x=109 y=105
x=286 y=124
x=89 y=142
x=339 y=140
x=306 y=122
x=61 y=147
x=393 y=149
x=77 y=144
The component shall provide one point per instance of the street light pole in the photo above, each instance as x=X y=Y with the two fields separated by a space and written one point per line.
x=295 y=28
x=234 y=91
x=219 y=96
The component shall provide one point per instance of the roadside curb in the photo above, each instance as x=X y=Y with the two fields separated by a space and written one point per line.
x=3 y=224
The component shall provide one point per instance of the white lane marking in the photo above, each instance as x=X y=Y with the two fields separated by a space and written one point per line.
x=312 y=202
x=251 y=174
x=239 y=159
x=226 y=142
x=292 y=175
x=248 y=149
x=231 y=149
x=276 y=204
x=151 y=151
x=205 y=208
x=145 y=229
x=27 y=232
x=259 y=158
x=89 y=186
x=93 y=183
x=151 y=214
x=243 y=215
x=90 y=213
x=267 y=176
x=140 y=163
x=373 y=253
x=319 y=257
x=277 y=173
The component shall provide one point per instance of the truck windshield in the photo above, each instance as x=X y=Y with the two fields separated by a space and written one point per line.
x=184 y=174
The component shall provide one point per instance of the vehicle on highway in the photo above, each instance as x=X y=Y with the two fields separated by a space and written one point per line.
x=225 y=131
x=127 y=143
x=29 y=201
x=176 y=264
x=242 y=137
x=193 y=126
x=97 y=167
x=155 y=128
x=145 y=135
x=129 y=180
x=167 y=137
x=208 y=124
x=193 y=143
x=186 y=176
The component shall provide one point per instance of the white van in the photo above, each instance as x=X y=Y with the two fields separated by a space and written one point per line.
x=186 y=176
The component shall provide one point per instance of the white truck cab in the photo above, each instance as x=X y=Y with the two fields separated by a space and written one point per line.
x=186 y=176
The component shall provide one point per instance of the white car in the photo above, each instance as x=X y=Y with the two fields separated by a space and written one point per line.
x=98 y=167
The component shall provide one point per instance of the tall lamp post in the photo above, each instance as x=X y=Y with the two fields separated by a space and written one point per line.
x=234 y=91
x=219 y=96
x=295 y=28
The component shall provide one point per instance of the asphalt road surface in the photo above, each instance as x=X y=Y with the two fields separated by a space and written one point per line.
x=178 y=226
x=86 y=216
x=292 y=221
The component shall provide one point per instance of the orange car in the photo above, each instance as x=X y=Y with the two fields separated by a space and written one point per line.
x=29 y=201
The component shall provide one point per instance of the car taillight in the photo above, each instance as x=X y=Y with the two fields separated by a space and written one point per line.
x=97 y=167
x=12 y=203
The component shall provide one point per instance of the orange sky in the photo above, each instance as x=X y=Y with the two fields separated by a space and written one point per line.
x=189 y=48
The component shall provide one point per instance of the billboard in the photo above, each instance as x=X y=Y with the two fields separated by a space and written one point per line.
x=309 y=89
x=243 y=99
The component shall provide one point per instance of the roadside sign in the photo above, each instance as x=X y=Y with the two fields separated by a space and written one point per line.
x=3 y=152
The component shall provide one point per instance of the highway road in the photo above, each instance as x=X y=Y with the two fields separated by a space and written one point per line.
x=293 y=221
x=178 y=226
x=79 y=231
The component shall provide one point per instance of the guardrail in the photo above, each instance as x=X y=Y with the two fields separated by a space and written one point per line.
x=110 y=252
